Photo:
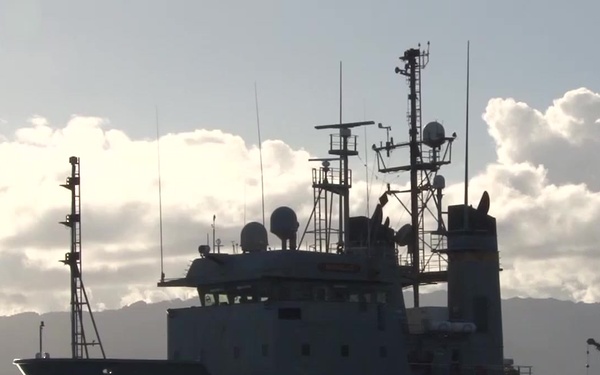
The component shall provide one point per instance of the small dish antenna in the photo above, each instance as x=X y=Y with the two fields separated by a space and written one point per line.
x=484 y=204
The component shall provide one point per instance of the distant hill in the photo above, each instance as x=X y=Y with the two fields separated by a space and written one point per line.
x=547 y=334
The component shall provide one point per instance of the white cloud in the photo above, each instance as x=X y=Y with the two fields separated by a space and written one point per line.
x=544 y=187
x=563 y=139
x=204 y=172
x=545 y=192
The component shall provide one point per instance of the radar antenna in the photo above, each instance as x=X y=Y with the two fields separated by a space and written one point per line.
x=328 y=181
x=79 y=298
x=333 y=181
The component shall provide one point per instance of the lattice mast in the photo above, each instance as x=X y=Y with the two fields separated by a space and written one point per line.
x=425 y=185
x=327 y=182
x=79 y=299
x=413 y=59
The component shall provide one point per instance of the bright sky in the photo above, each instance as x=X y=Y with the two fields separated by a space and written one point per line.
x=110 y=63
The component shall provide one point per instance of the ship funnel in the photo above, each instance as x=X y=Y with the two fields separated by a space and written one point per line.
x=253 y=238
x=284 y=224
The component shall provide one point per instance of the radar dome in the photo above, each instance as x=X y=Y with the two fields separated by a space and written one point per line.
x=253 y=237
x=434 y=134
x=284 y=223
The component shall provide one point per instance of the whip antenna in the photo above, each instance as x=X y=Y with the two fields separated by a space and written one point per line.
x=467 y=143
x=160 y=216
x=262 y=182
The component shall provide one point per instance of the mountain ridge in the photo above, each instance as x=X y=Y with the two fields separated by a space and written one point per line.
x=548 y=334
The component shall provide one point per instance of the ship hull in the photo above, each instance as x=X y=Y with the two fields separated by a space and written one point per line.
x=67 y=366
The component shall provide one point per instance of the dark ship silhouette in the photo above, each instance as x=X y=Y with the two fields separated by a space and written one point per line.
x=336 y=307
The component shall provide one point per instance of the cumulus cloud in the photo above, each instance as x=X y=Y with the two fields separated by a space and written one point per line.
x=545 y=192
x=544 y=188
x=204 y=173
x=563 y=139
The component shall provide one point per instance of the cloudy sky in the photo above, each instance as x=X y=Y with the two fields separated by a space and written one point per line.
x=84 y=78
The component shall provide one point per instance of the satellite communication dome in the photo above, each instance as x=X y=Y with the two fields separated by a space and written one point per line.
x=253 y=238
x=434 y=134
x=284 y=223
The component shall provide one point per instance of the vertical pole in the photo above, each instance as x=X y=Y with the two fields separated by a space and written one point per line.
x=41 y=335
x=213 y=230
x=346 y=190
x=160 y=216
x=341 y=197
x=466 y=214
x=74 y=299
x=414 y=154
x=262 y=181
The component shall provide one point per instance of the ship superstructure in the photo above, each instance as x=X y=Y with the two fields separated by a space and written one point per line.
x=337 y=305
x=298 y=311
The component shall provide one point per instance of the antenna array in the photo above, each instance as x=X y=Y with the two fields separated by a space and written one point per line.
x=425 y=246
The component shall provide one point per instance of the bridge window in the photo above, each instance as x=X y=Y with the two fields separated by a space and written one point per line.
x=290 y=313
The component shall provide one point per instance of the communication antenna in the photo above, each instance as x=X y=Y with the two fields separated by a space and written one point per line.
x=466 y=221
x=342 y=222
x=429 y=150
x=340 y=92
x=214 y=227
x=41 y=336
x=262 y=182
x=366 y=164
x=160 y=216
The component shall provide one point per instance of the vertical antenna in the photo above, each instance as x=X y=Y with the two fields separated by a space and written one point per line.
x=340 y=92
x=368 y=214
x=244 y=201
x=340 y=209
x=467 y=143
x=262 y=183
x=366 y=158
x=41 y=338
x=160 y=216
x=214 y=225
